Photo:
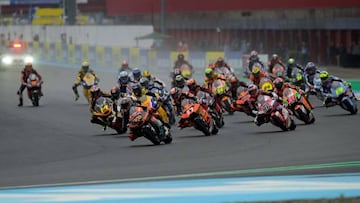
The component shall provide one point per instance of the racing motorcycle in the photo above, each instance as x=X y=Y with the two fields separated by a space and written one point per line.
x=140 y=125
x=243 y=104
x=221 y=91
x=266 y=84
x=87 y=82
x=278 y=115
x=210 y=101
x=293 y=100
x=194 y=115
x=164 y=101
x=341 y=94
x=105 y=110
x=278 y=71
x=33 y=85
x=297 y=78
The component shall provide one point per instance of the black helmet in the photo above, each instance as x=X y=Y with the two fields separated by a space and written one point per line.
x=115 y=92
x=137 y=89
x=144 y=82
x=180 y=56
x=179 y=81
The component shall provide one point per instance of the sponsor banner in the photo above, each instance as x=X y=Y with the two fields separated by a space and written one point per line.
x=85 y=52
x=152 y=62
x=108 y=58
x=134 y=57
x=116 y=56
x=92 y=56
x=58 y=52
x=100 y=56
x=71 y=55
x=211 y=56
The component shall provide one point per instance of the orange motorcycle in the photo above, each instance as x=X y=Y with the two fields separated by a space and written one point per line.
x=195 y=115
x=221 y=91
x=293 y=100
x=243 y=104
x=140 y=125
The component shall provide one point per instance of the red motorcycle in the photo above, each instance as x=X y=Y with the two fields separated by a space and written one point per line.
x=194 y=115
x=270 y=111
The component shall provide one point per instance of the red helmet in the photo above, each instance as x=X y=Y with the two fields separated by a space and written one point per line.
x=124 y=63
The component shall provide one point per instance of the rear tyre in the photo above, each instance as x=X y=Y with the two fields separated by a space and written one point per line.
x=202 y=126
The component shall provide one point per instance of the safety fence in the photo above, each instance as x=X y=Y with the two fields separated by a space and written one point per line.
x=103 y=57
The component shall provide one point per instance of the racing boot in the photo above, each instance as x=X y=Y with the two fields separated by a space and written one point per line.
x=20 y=101
x=161 y=132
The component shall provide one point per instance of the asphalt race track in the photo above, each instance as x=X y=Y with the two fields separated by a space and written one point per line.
x=56 y=143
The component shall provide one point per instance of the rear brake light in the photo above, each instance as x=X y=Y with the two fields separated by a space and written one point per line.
x=17 y=45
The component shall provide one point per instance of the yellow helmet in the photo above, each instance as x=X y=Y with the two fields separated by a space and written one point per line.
x=255 y=70
x=85 y=63
x=146 y=73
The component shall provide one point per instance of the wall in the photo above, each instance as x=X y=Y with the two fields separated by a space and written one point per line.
x=123 y=7
x=123 y=36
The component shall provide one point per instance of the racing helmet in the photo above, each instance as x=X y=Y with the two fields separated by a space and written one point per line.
x=291 y=60
x=124 y=64
x=146 y=74
x=191 y=84
x=123 y=77
x=136 y=73
x=115 y=92
x=324 y=75
x=253 y=89
x=28 y=64
x=180 y=57
x=278 y=83
x=255 y=70
x=209 y=73
x=253 y=53
x=179 y=81
x=219 y=61
x=310 y=68
x=85 y=65
x=95 y=91
x=144 y=82
x=137 y=90
x=275 y=57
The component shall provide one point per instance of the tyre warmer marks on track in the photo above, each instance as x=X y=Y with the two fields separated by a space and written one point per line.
x=213 y=190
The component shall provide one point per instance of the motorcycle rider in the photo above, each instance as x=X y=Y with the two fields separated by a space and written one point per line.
x=123 y=83
x=280 y=85
x=257 y=74
x=179 y=82
x=181 y=61
x=309 y=75
x=95 y=94
x=235 y=83
x=152 y=79
x=25 y=73
x=254 y=92
x=254 y=58
x=326 y=82
x=140 y=98
x=275 y=59
x=194 y=89
x=291 y=65
x=211 y=76
x=220 y=62
x=135 y=75
x=125 y=66
x=82 y=72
